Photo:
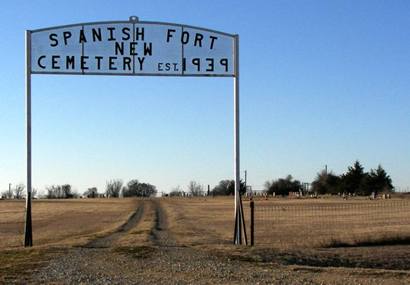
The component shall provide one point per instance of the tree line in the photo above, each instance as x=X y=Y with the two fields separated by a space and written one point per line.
x=113 y=189
x=354 y=181
x=16 y=192
x=225 y=187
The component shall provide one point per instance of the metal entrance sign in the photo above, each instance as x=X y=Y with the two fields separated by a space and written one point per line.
x=133 y=48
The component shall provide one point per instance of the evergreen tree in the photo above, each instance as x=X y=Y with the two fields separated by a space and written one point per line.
x=378 y=181
x=353 y=180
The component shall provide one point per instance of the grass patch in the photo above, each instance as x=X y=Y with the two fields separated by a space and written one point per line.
x=382 y=257
x=380 y=241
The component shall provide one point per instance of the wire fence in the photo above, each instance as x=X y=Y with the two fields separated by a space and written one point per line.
x=315 y=223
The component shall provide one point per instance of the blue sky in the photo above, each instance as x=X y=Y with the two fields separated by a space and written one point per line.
x=322 y=82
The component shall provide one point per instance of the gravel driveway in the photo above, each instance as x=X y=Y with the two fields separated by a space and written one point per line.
x=99 y=262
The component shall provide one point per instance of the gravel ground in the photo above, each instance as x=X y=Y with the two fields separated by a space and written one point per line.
x=167 y=263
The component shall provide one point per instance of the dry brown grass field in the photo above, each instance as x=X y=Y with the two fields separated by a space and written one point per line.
x=189 y=240
x=283 y=223
x=62 y=221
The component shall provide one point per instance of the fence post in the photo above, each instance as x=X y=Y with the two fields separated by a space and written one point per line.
x=252 y=204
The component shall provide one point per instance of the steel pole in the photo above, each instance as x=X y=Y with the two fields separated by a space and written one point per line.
x=252 y=204
x=238 y=217
x=28 y=234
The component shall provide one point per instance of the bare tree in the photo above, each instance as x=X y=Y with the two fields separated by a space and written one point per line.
x=176 y=191
x=60 y=192
x=19 y=191
x=195 y=189
x=53 y=191
x=113 y=188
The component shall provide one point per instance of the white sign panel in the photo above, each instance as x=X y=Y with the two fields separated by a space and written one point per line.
x=132 y=48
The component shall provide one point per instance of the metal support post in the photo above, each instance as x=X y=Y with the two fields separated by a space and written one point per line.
x=252 y=204
x=243 y=222
x=237 y=215
x=28 y=233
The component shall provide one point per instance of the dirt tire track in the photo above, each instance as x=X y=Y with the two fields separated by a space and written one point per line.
x=108 y=240
x=160 y=234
